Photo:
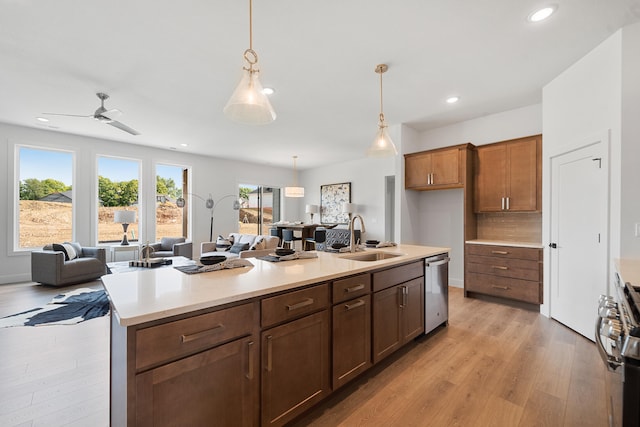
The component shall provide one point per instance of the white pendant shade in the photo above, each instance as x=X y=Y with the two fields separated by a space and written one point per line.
x=382 y=146
x=248 y=104
x=293 y=191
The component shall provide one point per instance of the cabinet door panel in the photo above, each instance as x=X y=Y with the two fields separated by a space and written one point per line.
x=416 y=170
x=295 y=361
x=490 y=178
x=351 y=339
x=413 y=309
x=445 y=168
x=187 y=392
x=387 y=336
x=522 y=179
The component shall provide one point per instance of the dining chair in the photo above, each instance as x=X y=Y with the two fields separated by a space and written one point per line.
x=318 y=239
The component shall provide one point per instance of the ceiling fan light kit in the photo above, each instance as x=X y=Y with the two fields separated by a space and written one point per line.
x=248 y=103
x=382 y=145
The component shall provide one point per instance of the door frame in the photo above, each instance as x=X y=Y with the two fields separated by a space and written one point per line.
x=604 y=138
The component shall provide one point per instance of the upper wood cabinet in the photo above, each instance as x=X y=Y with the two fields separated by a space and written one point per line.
x=508 y=176
x=438 y=169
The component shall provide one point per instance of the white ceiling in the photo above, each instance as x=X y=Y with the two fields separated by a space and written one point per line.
x=170 y=66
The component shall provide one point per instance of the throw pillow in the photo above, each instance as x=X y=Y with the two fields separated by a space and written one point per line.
x=258 y=244
x=66 y=249
x=222 y=244
x=238 y=247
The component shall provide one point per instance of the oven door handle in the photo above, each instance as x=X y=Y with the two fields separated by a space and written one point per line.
x=609 y=360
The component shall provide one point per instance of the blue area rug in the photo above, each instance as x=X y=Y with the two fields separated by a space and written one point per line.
x=65 y=309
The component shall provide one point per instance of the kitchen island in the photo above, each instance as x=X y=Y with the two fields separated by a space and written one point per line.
x=257 y=345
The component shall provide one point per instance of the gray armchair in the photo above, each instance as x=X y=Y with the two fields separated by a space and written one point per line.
x=49 y=267
x=169 y=246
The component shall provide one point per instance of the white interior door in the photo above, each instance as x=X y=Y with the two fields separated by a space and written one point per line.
x=579 y=206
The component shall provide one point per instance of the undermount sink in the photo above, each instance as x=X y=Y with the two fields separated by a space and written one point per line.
x=370 y=256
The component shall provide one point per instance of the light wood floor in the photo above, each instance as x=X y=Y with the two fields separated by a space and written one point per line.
x=494 y=365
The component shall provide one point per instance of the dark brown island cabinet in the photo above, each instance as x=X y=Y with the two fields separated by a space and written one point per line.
x=267 y=360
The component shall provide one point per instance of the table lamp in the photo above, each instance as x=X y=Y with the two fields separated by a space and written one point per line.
x=348 y=208
x=125 y=218
x=311 y=209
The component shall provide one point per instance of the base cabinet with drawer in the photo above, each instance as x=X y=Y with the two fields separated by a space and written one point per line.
x=295 y=354
x=351 y=326
x=398 y=308
x=504 y=271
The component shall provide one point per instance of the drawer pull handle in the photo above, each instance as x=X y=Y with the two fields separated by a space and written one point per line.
x=202 y=334
x=250 y=360
x=354 y=288
x=504 y=288
x=303 y=303
x=500 y=252
x=356 y=304
x=499 y=267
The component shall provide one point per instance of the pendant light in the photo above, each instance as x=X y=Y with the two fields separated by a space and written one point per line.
x=294 y=191
x=383 y=145
x=248 y=103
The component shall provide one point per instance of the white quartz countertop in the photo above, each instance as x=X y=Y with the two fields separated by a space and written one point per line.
x=505 y=243
x=629 y=270
x=143 y=296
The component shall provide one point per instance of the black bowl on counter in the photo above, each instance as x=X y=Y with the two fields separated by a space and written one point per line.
x=212 y=259
x=284 y=252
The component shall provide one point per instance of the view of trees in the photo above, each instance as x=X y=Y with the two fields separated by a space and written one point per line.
x=124 y=193
x=34 y=189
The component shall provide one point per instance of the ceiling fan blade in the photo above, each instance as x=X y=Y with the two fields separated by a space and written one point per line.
x=112 y=114
x=68 y=115
x=124 y=127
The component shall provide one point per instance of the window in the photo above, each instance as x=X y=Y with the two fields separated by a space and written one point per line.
x=45 y=197
x=170 y=185
x=260 y=208
x=117 y=191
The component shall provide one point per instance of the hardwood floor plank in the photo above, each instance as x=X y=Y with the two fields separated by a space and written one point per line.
x=543 y=410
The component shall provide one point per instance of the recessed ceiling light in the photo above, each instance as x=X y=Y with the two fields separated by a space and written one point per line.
x=268 y=91
x=42 y=119
x=184 y=145
x=453 y=99
x=542 y=14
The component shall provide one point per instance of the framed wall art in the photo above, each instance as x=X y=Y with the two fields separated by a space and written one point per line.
x=331 y=198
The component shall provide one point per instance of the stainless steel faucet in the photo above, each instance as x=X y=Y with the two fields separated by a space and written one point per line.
x=352 y=238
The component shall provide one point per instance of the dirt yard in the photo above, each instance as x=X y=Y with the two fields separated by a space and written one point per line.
x=42 y=223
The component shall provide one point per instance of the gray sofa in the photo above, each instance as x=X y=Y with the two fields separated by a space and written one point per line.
x=169 y=246
x=262 y=245
x=49 y=266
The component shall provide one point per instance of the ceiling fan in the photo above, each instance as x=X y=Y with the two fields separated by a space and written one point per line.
x=103 y=115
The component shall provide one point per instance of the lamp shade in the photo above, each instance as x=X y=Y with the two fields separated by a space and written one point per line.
x=311 y=209
x=382 y=145
x=124 y=217
x=293 y=191
x=348 y=207
x=248 y=104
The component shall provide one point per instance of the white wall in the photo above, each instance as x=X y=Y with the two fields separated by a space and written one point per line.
x=437 y=216
x=630 y=155
x=600 y=95
x=209 y=175
x=367 y=178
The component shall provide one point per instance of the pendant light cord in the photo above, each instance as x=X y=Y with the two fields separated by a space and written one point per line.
x=250 y=25
x=381 y=113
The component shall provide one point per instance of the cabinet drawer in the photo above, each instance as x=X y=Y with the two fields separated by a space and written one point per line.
x=351 y=287
x=505 y=267
x=521 y=290
x=504 y=251
x=396 y=275
x=294 y=304
x=173 y=340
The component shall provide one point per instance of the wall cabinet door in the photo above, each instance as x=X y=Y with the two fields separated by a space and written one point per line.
x=507 y=176
x=187 y=392
x=351 y=339
x=433 y=170
x=295 y=367
x=398 y=316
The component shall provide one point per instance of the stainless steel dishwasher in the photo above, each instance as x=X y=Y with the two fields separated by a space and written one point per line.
x=436 y=292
